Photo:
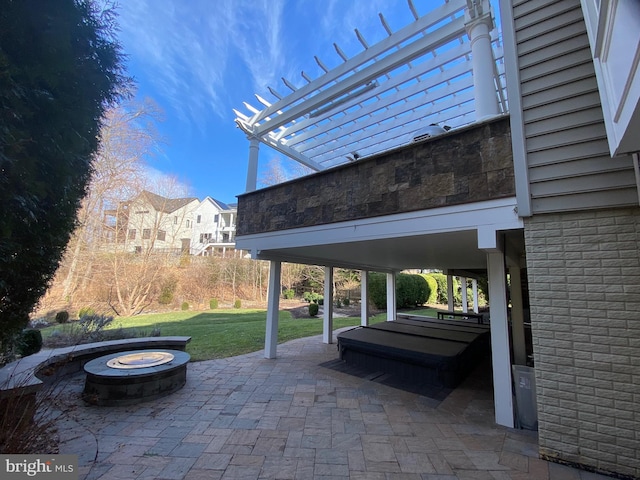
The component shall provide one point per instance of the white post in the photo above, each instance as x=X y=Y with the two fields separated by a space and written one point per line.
x=517 y=317
x=479 y=23
x=364 y=298
x=273 y=307
x=501 y=361
x=474 y=289
x=391 y=297
x=465 y=299
x=252 y=170
x=450 y=293
x=327 y=314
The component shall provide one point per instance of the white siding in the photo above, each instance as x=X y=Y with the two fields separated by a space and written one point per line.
x=567 y=154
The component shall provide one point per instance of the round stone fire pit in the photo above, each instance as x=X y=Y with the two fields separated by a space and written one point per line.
x=126 y=378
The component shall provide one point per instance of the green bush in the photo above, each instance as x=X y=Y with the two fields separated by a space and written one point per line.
x=346 y=302
x=433 y=288
x=311 y=297
x=313 y=309
x=29 y=342
x=167 y=291
x=185 y=306
x=411 y=290
x=62 y=316
x=84 y=311
x=237 y=304
x=378 y=289
x=213 y=303
x=338 y=303
x=289 y=294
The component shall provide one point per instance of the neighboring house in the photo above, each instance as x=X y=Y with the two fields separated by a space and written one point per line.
x=173 y=225
x=545 y=195
x=214 y=228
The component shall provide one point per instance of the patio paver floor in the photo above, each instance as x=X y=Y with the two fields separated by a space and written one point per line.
x=248 y=417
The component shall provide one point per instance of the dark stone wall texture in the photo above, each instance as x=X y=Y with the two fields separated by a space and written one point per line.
x=465 y=165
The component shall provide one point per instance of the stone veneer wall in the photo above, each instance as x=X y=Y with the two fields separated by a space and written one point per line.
x=465 y=165
x=584 y=288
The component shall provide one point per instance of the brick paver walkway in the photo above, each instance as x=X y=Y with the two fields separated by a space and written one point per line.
x=249 y=418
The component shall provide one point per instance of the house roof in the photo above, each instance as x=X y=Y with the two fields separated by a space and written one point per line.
x=166 y=205
x=221 y=205
x=380 y=98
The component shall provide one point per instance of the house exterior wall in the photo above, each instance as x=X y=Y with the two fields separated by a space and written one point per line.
x=566 y=150
x=465 y=165
x=216 y=227
x=584 y=288
x=166 y=230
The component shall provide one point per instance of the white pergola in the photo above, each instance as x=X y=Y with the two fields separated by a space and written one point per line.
x=444 y=68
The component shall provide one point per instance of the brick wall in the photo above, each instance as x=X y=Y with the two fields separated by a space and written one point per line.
x=584 y=287
x=465 y=165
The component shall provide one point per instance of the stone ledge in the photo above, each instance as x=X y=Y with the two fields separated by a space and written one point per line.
x=27 y=375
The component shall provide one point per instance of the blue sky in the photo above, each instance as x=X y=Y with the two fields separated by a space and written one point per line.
x=199 y=59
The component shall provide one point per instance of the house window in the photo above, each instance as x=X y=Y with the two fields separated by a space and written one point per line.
x=162 y=235
x=188 y=224
x=132 y=234
x=175 y=220
x=216 y=218
x=146 y=233
x=199 y=218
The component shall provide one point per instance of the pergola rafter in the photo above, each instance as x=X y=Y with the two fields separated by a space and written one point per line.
x=379 y=98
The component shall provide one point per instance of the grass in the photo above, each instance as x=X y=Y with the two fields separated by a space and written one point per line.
x=226 y=333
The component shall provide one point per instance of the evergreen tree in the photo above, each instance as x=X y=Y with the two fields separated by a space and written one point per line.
x=60 y=68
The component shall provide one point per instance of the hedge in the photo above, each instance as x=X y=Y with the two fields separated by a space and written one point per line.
x=411 y=290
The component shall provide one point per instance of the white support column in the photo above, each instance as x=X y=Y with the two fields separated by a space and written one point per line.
x=391 y=297
x=474 y=289
x=273 y=307
x=252 y=170
x=501 y=361
x=517 y=317
x=327 y=314
x=479 y=23
x=364 y=298
x=465 y=297
x=450 y=293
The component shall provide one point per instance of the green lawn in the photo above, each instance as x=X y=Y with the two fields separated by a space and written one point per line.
x=226 y=333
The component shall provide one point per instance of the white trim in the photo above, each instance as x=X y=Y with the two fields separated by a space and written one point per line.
x=391 y=297
x=501 y=361
x=327 y=306
x=271 y=335
x=488 y=216
x=512 y=74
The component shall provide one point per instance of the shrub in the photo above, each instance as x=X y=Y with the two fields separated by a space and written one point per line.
x=288 y=294
x=84 y=311
x=411 y=290
x=433 y=288
x=346 y=302
x=184 y=306
x=320 y=300
x=62 y=316
x=338 y=302
x=313 y=309
x=237 y=304
x=167 y=291
x=378 y=289
x=213 y=303
x=93 y=325
x=29 y=342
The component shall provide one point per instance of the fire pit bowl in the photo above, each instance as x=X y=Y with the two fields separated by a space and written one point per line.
x=126 y=378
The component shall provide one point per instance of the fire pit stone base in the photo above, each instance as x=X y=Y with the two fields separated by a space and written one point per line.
x=108 y=386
